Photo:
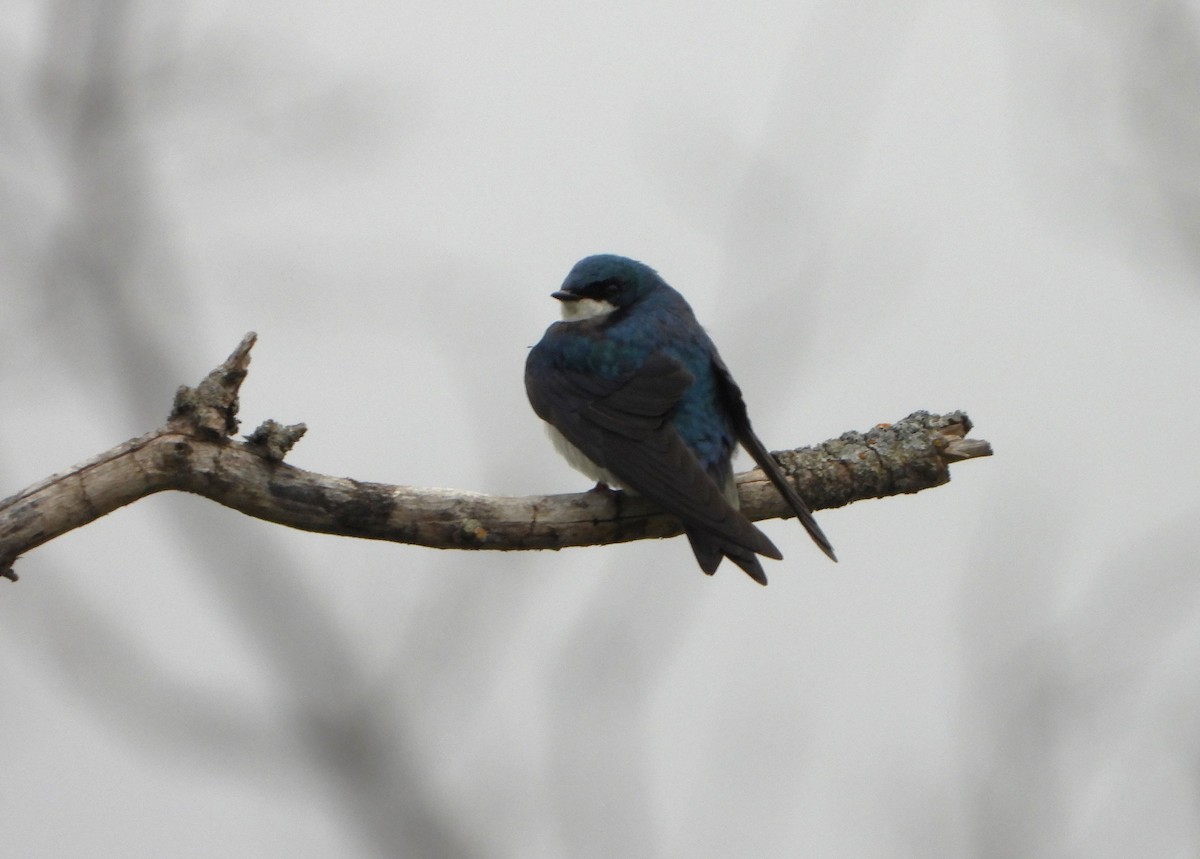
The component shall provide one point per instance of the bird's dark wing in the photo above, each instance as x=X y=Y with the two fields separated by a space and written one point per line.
x=624 y=425
x=736 y=407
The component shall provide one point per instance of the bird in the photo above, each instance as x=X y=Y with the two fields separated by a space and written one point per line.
x=635 y=395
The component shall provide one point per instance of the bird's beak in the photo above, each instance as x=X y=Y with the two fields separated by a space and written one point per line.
x=563 y=295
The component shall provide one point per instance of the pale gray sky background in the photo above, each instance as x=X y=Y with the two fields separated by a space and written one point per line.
x=874 y=208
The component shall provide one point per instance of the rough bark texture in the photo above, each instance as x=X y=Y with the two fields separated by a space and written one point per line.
x=194 y=452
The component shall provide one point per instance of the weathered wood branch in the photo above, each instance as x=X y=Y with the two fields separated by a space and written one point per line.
x=194 y=452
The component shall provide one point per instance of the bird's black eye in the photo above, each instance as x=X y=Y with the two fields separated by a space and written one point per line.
x=603 y=289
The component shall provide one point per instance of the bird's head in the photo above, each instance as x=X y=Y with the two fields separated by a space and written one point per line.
x=600 y=284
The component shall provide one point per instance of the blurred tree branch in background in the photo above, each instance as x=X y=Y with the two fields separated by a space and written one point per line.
x=95 y=108
x=193 y=453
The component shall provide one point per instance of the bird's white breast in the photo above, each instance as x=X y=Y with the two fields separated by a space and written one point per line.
x=578 y=461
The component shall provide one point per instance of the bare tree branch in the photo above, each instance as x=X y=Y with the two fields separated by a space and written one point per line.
x=194 y=452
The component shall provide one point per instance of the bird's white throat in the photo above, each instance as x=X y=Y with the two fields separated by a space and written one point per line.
x=586 y=308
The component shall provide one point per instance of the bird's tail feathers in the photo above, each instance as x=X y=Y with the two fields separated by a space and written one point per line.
x=710 y=550
x=775 y=474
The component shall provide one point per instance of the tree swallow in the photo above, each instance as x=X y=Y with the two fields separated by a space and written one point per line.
x=636 y=397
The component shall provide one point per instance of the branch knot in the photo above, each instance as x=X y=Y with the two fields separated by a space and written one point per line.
x=209 y=410
x=272 y=440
